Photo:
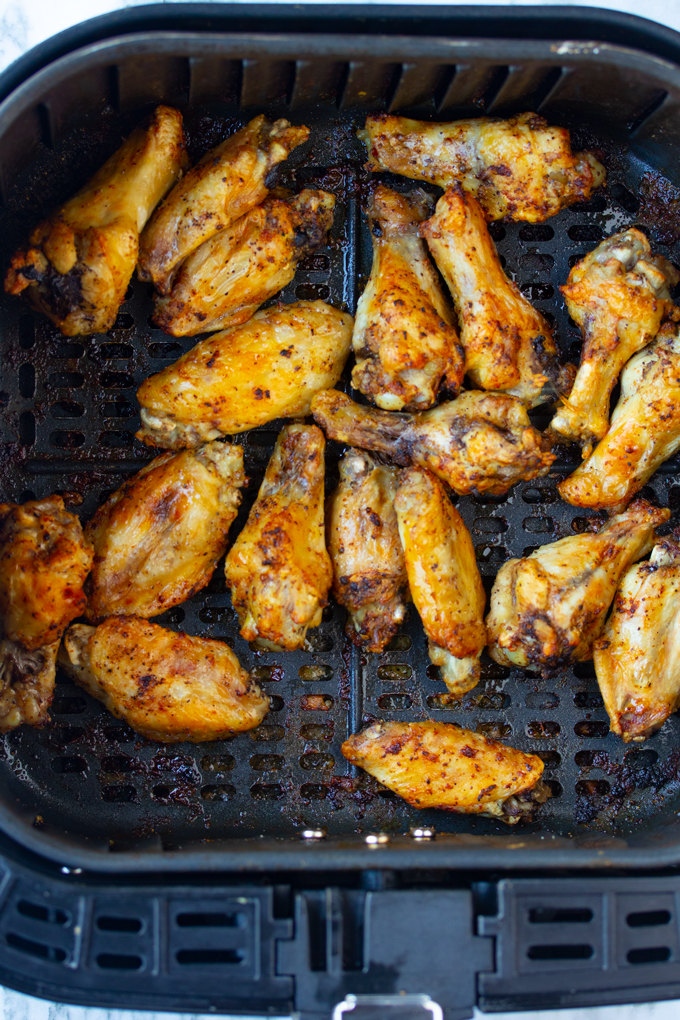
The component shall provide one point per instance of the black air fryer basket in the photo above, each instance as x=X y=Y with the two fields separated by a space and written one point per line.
x=264 y=874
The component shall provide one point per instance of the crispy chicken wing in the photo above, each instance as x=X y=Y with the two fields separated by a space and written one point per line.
x=443 y=577
x=637 y=659
x=167 y=686
x=369 y=572
x=508 y=344
x=438 y=765
x=519 y=167
x=404 y=338
x=226 y=184
x=480 y=442
x=79 y=265
x=548 y=608
x=228 y=277
x=270 y=367
x=278 y=569
x=618 y=295
x=157 y=539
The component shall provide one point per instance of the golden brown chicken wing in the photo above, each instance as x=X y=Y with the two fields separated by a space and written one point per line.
x=404 y=338
x=278 y=569
x=548 y=608
x=438 y=765
x=227 y=278
x=271 y=367
x=79 y=265
x=480 y=442
x=508 y=344
x=369 y=572
x=157 y=539
x=26 y=683
x=167 y=686
x=618 y=295
x=226 y=184
x=443 y=577
x=519 y=167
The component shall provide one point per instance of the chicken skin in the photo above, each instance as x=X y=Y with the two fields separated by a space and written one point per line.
x=226 y=184
x=80 y=260
x=618 y=294
x=480 y=442
x=157 y=539
x=443 y=577
x=404 y=338
x=438 y=765
x=166 y=686
x=369 y=572
x=228 y=277
x=520 y=167
x=278 y=569
x=508 y=344
x=637 y=659
x=548 y=608
x=243 y=377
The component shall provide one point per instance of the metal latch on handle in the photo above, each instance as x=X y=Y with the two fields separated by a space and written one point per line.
x=388 y=1007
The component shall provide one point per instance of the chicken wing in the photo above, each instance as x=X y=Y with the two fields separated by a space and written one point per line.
x=548 y=608
x=443 y=577
x=167 y=686
x=637 y=659
x=278 y=569
x=369 y=572
x=226 y=184
x=228 y=277
x=508 y=344
x=157 y=539
x=520 y=167
x=270 y=367
x=618 y=295
x=480 y=442
x=404 y=338
x=81 y=259
x=439 y=765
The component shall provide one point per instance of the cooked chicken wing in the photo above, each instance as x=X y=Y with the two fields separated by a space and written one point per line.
x=226 y=184
x=157 y=539
x=167 y=686
x=637 y=659
x=270 y=367
x=79 y=265
x=548 y=608
x=519 y=167
x=369 y=572
x=26 y=683
x=443 y=577
x=404 y=338
x=480 y=442
x=278 y=569
x=618 y=295
x=227 y=278
x=508 y=344
x=439 y=765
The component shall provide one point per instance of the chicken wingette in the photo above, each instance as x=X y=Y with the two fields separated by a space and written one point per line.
x=479 y=442
x=169 y=687
x=228 y=277
x=227 y=183
x=80 y=260
x=548 y=608
x=618 y=294
x=508 y=344
x=404 y=339
x=439 y=765
x=521 y=167
x=443 y=577
x=157 y=539
x=369 y=572
x=278 y=569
